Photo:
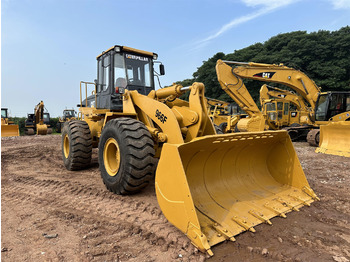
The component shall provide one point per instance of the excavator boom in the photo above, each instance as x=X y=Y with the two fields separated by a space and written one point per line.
x=235 y=88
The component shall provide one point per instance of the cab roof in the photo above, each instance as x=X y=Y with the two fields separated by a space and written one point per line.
x=128 y=49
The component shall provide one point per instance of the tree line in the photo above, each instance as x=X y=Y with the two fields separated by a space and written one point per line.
x=324 y=56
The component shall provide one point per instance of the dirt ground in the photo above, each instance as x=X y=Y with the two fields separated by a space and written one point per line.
x=51 y=214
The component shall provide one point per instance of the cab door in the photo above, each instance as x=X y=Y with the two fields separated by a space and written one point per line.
x=104 y=83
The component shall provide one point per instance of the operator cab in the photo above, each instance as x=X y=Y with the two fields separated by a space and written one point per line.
x=46 y=118
x=331 y=104
x=3 y=112
x=67 y=114
x=30 y=120
x=121 y=68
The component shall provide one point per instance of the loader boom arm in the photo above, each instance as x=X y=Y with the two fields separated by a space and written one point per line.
x=170 y=119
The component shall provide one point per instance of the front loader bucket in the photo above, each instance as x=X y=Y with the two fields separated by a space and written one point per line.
x=335 y=139
x=9 y=130
x=216 y=187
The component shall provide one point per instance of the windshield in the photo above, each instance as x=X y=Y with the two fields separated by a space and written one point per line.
x=270 y=107
x=132 y=69
x=321 y=108
x=138 y=70
x=69 y=113
x=3 y=113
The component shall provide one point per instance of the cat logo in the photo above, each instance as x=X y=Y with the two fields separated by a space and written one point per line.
x=266 y=75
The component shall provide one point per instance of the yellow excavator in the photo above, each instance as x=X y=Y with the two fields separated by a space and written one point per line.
x=8 y=128
x=211 y=187
x=39 y=122
x=285 y=109
x=325 y=107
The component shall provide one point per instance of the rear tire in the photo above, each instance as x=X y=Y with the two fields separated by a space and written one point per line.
x=126 y=156
x=76 y=145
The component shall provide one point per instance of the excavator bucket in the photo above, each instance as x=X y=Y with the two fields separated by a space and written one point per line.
x=216 y=187
x=335 y=139
x=41 y=129
x=9 y=130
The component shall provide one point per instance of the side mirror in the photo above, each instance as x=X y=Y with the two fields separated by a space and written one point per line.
x=161 y=69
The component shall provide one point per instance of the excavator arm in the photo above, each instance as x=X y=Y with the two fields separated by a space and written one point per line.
x=41 y=128
x=270 y=92
x=281 y=74
x=233 y=85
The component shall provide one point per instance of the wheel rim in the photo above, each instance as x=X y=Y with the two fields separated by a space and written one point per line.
x=66 y=146
x=111 y=157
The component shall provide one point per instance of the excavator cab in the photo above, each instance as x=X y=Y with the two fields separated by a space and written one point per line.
x=46 y=117
x=121 y=68
x=331 y=104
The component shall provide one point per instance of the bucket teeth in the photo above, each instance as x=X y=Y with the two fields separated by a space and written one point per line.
x=260 y=216
x=300 y=200
x=225 y=232
x=243 y=223
x=307 y=190
x=275 y=209
x=287 y=204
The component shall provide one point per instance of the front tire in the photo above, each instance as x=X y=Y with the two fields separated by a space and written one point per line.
x=126 y=156
x=76 y=145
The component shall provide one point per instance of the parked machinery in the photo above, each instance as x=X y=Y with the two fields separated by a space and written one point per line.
x=39 y=122
x=68 y=115
x=224 y=115
x=211 y=187
x=325 y=107
x=285 y=109
x=8 y=128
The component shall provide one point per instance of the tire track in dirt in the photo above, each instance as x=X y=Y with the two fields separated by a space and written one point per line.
x=129 y=213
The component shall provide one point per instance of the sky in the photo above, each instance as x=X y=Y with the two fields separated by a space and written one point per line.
x=49 y=46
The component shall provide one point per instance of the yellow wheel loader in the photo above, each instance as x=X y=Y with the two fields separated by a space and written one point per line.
x=224 y=115
x=39 y=122
x=325 y=107
x=68 y=115
x=8 y=128
x=212 y=187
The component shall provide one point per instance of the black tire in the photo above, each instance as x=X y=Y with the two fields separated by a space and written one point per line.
x=134 y=164
x=218 y=130
x=223 y=127
x=59 y=127
x=76 y=145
